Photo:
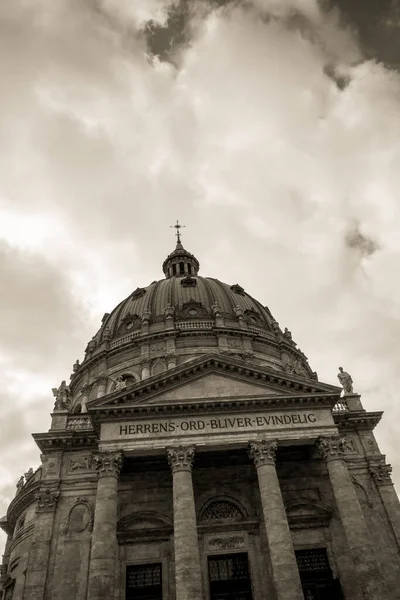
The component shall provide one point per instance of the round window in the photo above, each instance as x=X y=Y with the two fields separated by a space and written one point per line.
x=129 y=325
x=193 y=312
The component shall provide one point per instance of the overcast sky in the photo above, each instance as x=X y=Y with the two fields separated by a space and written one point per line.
x=270 y=128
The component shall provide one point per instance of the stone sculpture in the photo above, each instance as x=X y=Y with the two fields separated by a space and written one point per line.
x=345 y=381
x=62 y=396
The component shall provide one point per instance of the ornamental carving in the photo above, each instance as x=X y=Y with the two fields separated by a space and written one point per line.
x=238 y=289
x=46 y=500
x=189 y=282
x=180 y=458
x=82 y=519
x=192 y=310
x=157 y=347
x=263 y=452
x=332 y=448
x=226 y=543
x=50 y=466
x=83 y=463
x=234 y=343
x=138 y=293
x=107 y=464
x=252 y=317
x=169 y=311
x=221 y=510
x=129 y=323
x=381 y=474
x=292 y=365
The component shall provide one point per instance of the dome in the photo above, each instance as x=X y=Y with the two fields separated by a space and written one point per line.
x=177 y=319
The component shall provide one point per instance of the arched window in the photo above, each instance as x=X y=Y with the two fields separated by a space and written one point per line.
x=221 y=510
x=77 y=409
x=181 y=268
x=190 y=269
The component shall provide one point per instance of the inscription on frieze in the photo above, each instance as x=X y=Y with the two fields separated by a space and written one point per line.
x=208 y=425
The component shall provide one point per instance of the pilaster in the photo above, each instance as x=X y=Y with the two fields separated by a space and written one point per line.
x=381 y=474
x=368 y=581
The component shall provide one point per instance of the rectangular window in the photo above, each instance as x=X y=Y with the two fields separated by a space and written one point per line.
x=144 y=582
x=229 y=577
x=316 y=575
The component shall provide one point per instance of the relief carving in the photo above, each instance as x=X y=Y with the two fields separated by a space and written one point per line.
x=47 y=500
x=82 y=521
x=83 y=463
x=226 y=543
x=157 y=347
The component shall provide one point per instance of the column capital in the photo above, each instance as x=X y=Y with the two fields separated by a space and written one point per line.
x=47 y=500
x=180 y=458
x=332 y=447
x=263 y=452
x=107 y=464
x=381 y=474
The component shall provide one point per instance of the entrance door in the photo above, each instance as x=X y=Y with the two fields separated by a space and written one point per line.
x=316 y=575
x=229 y=577
x=143 y=582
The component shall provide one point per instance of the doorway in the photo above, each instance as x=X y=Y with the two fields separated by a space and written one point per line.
x=229 y=577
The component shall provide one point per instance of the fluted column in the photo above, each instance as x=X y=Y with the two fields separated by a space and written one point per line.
x=381 y=475
x=39 y=553
x=103 y=559
x=284 y=568
x=368 y=577
x=187 y=555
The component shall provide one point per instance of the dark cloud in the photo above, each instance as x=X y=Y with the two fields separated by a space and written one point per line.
x=356 y=240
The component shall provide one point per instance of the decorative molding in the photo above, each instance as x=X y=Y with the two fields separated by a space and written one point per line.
x=364 y=489
x=192 y=310
x=47 y=500
x=221 y=510
x=226 y=543
x=180 y=458
x=332 y=447
x=263 y=452
x=305 y=513
x=381 y=474
x=90 y=510
x=107 y=464
x=63 y=440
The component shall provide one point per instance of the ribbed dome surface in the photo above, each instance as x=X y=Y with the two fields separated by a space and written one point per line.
x=192 y=298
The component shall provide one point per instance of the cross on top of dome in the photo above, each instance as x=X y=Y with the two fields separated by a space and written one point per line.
x=180 y=263
x=177 y=226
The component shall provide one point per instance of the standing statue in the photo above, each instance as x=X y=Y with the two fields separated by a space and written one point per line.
x=20 y=484
x=120 y=383
x=288 y=334
x=29 y=474
x=62 y=396
x=345 y=381
x=75 y=366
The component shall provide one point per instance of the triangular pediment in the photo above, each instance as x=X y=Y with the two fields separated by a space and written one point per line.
x=212 y=378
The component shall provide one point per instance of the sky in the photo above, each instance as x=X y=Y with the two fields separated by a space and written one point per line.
x=269 y=128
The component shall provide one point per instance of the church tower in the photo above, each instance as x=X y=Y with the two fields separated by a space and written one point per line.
x=194 y=455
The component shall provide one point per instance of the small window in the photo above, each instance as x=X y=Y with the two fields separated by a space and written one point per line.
x=181 y=268
x=144 y=582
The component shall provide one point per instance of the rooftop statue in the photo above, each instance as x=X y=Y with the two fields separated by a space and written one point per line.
x=345 y=381
x=62 y=396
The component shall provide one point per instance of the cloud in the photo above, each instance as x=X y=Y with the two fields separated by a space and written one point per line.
x=261 y=126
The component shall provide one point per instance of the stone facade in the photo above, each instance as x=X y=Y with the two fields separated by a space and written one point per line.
x=229 y=475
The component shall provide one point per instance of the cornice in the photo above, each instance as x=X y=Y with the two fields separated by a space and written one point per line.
x=357 y=420
x=21 y=502
x=196 y=407
x=65 y=440
x=215 y=362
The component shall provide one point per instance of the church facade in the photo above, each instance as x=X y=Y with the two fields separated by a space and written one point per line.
x=194 y=455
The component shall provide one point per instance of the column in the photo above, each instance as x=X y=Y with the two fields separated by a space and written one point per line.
x=39 y=554
x=85 y=396
x=381 y=475
x=186 y=547
x=370 y=582
x=284 y=569
x=145 y=364
x=101 y=386
x=103 y=557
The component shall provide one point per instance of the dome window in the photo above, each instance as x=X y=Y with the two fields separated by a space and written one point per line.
x=237 y=289
x=189 y=282
x=181 y=268
x=138 y=293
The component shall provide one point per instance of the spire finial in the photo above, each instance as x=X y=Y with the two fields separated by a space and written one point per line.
x=178 y=233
